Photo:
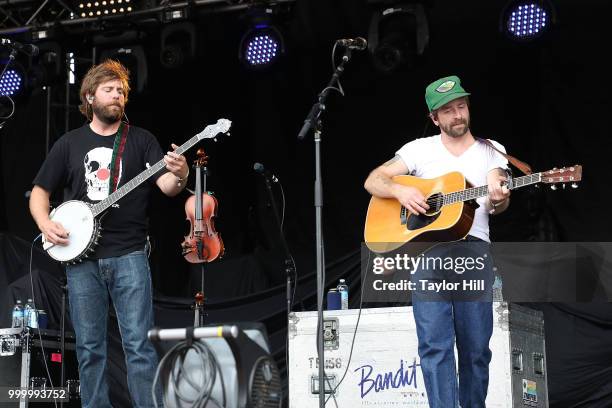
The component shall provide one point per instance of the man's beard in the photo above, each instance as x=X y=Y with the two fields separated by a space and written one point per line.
x=457 y=131
x=108 y=114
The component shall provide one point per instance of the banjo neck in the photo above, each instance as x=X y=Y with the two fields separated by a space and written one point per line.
x=210 y=132
x=103 y=205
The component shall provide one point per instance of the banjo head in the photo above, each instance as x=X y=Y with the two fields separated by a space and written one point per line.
x=77 y=218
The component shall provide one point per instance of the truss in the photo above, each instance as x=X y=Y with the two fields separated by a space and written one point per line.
x=19 y=16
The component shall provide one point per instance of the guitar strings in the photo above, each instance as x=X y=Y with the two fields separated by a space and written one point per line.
x=465 y=195
x=462 y=195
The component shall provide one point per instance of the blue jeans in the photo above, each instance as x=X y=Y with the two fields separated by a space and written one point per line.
x=127 y=279
x=443 y=317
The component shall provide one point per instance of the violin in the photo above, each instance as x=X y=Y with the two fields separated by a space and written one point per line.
x=203 y=244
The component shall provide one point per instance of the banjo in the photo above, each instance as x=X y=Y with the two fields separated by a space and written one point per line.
x=82 y=219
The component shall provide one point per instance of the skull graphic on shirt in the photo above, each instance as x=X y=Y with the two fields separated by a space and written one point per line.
x=97 y=164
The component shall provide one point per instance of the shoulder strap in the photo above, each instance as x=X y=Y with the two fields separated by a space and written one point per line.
x=120 y=139
x=521 y=165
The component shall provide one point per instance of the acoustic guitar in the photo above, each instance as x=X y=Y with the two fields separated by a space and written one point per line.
x=452 y=203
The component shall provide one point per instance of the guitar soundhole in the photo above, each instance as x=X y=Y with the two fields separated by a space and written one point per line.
x=435 y=203
x=415 y=222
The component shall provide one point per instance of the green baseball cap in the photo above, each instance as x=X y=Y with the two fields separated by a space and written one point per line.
x=442 y=91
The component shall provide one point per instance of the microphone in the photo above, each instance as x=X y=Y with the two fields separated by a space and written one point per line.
x=358 y=43
x=28 y=49
x=259 y=168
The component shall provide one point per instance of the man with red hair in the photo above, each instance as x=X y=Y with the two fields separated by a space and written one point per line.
x=87 y=163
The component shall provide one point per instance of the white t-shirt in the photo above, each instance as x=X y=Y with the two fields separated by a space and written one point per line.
x=429 y=158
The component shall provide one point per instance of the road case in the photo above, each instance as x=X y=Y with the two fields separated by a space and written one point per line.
x=384 y=368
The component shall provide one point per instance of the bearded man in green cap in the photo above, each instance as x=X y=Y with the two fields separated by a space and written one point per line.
x=443 y=317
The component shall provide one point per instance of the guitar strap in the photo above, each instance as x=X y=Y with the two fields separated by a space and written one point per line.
x=120 y=139
x=521 y=165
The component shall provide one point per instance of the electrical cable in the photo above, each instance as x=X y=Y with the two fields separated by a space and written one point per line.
x=171 y=371
x=295 y=278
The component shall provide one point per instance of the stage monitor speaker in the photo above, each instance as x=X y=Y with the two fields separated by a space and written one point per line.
x=236 y=359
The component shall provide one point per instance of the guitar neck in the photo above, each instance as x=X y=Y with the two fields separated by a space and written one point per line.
x=476 y=192
x=101 y=206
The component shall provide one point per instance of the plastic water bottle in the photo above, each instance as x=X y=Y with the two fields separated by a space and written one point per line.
x=497 y=289
x=18 y=315
x=343 y=289
x=27 y=311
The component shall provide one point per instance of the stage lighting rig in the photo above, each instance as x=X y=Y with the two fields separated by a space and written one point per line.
x=263 y=43
x=40 y=35
x=11 y=82
x=50 y=65
x=525 y=20
x=13 y=73
x=99 y=8
x=398 y=34
x=134 y=59
x=178 y=44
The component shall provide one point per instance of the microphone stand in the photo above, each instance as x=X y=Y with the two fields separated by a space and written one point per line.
x=11 y=58
x=289 y=266
x=313 y=120
x=64 y=286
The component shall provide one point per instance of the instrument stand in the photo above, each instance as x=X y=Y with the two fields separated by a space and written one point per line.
x=198 y=306
x=199 y=315
x=313 y=120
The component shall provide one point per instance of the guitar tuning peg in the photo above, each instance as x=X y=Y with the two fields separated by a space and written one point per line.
x=574 y=185
x=563 y=185
x=553 y=186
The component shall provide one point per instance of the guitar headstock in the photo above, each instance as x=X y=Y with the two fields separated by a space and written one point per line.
x=572 y=174
x=211 y=131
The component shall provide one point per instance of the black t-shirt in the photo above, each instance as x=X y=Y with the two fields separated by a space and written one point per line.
x=79 y=162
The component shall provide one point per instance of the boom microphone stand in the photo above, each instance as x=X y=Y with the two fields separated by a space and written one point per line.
x=11 y=58
x=313 y=120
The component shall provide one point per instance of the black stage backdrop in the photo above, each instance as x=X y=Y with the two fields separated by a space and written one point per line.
x=547 y=102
